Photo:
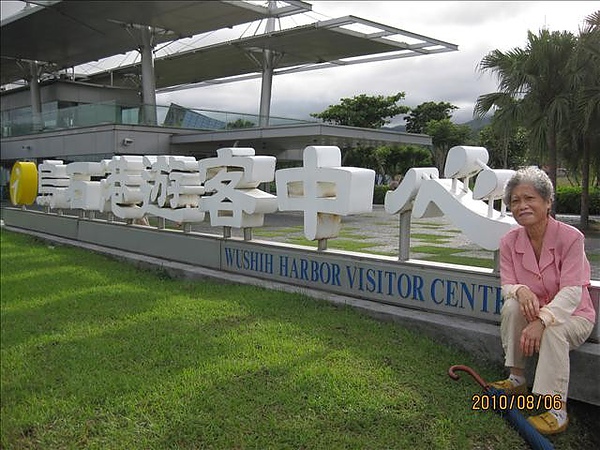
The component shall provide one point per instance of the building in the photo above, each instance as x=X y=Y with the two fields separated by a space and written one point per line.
x=51 y=112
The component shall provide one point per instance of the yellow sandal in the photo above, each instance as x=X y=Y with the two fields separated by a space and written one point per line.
x=509 y=388
x=547 y=423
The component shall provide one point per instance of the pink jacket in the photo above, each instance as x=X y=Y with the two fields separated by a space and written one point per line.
x=562 y=263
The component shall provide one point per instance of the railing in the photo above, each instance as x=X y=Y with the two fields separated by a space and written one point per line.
x=18 y=122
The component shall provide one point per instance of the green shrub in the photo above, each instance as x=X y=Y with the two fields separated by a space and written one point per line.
x=379 y=193
x=568 y=200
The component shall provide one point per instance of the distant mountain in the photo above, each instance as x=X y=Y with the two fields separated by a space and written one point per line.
x=476 y=125
x=401 y=128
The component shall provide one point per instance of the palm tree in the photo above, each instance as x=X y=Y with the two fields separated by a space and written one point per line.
x=584 y=131
x=533 y=89
x=506 y=119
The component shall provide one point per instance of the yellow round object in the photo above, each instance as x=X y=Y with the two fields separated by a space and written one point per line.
x=23 y=183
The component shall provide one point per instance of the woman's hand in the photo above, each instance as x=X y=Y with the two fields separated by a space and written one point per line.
x=529 y=303
x=531 y=337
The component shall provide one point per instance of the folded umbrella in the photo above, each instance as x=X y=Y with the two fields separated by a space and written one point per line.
x=532 y=436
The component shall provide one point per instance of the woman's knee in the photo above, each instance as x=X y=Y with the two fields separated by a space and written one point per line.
x=510 y=308
x=573 y=333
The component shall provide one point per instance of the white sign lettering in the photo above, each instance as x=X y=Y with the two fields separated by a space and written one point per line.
x=182 y=189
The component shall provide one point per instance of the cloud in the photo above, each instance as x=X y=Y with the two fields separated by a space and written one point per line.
x=477 y=27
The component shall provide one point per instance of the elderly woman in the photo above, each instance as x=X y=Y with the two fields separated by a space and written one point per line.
x=547 y=308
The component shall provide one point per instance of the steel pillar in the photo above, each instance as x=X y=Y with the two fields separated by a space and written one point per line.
x=36 y=98
x=148 y=81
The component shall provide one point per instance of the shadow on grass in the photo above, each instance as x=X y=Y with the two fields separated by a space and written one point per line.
x=171 y=364
x=223 y=373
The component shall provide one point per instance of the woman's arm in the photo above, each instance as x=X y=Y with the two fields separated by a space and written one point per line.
x=528 y=301
x=562 y=306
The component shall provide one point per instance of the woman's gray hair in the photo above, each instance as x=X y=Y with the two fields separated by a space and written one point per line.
x=533 y=176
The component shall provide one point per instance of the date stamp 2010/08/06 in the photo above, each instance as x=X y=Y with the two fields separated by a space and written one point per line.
x=503 y=401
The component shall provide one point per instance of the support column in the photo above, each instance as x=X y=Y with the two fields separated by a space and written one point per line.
x=404 y=241
x=148 y=80
x=496 y=261
x=266 y=88
x=36 y=98
x=267 y=75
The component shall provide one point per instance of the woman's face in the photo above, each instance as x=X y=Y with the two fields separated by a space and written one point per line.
x=527 y=206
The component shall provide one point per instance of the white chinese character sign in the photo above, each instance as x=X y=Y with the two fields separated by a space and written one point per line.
x=233 y=178
x=88 y=189
x=427 y=195
x=182 y=189
x=53 y=184
x=325 y=191
x=172 y=188
x=125 y=191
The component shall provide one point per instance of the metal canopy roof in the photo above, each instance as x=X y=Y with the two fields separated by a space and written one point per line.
x=72 y=32
x=315 y=46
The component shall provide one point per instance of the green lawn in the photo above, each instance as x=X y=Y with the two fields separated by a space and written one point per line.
x=97 y=354
x=451 y=255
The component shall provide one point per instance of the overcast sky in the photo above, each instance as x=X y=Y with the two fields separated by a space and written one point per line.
x=476 y=27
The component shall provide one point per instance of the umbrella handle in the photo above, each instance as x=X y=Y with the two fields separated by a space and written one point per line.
x=475 y=375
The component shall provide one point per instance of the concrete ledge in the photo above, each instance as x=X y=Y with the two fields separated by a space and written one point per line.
x=482 y=340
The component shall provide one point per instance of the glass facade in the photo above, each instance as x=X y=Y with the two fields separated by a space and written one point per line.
x=60 y=115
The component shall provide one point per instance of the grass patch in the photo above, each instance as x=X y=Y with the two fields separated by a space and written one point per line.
x=593 y=257
x=276 y=232
x=350 y=239
x=450 y=256
x=384 y=252
x=465 y=261
x=351 y=233
x=97 y=354
x=430 y=225
x=431 y=238
x=442 y=252
x=437 y=226
x=382 y=223
x=349 y=245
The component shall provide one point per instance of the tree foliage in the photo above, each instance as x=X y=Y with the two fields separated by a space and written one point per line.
x=506 y=150
x=445 y=135
x=417 y=119
x=582 y=134
x=364 y=111
x=240 y=123
x=551 y=87
x=365 y=157
x=388 y=160
x=397 y=160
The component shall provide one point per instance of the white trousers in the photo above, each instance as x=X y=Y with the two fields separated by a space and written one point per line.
x=552 y=371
